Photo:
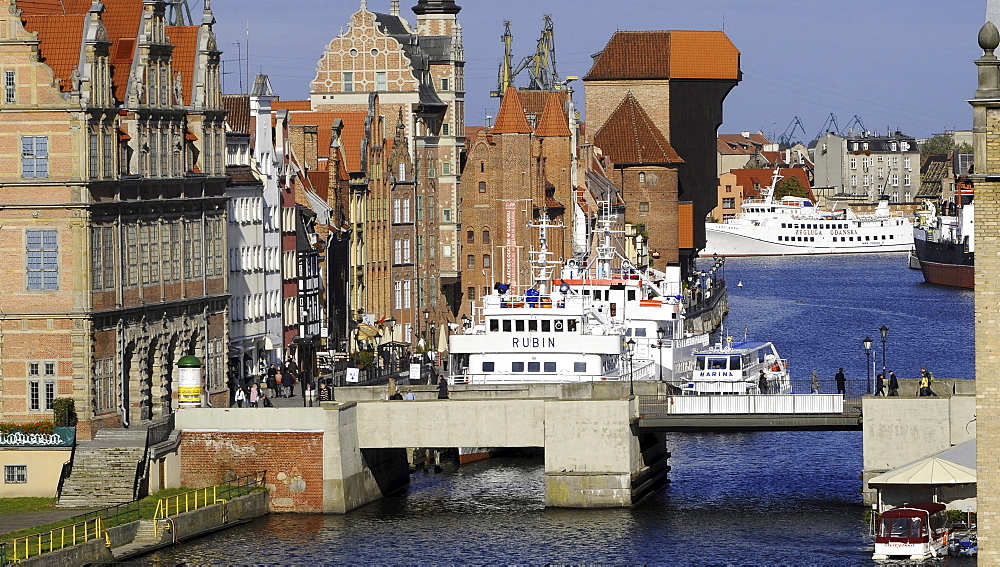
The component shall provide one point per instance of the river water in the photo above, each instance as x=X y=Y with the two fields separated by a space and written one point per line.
x=751 y=498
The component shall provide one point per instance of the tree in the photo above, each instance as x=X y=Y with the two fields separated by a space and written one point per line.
x=790 y=186
x=939 y=144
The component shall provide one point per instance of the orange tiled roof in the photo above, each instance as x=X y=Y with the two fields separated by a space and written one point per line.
x=737 y=144
x=748 y=179
x=238 y=117
x=533 y=101
x=554 y=121
x=629 y=136
x=321 y=183
x=511 y=119
x=185 y=42
x=122 y=19
x=351 y=135
x=678 y=54
x=60 y=37
x=298 y=105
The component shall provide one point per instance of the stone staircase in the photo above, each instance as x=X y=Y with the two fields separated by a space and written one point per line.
x=104 y=469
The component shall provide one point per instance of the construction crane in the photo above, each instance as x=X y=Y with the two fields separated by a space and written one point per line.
x=786 y=137
x=829 y=125
x=541 y=66
x=854 y=120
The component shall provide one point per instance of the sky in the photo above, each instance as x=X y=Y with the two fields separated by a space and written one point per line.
x=896 y=64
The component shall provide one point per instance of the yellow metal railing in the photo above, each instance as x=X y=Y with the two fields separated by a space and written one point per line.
x=53 y=540
x=202 y=497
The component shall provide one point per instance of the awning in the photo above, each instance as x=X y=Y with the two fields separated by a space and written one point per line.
x=366 y=331
x=951 y=466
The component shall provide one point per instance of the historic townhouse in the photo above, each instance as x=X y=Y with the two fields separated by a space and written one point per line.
x=114 y=224
x=408 y=277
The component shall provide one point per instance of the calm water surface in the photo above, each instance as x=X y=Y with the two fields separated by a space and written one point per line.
x=750 y=499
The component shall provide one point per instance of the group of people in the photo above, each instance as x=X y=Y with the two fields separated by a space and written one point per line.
x=278 y=383
x=926 y=379
x=394 y=394
x=880 y=384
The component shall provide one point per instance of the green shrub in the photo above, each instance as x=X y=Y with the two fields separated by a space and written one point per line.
x=364 y=359
x=64 y=412
x=27 y=427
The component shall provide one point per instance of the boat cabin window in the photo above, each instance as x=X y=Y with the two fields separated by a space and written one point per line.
x=734 y=362
x=494 y=325
x=571 y=325
x=506 y=325
x=640 y=332
x=901 y=527
x=546 y=326
x=631 y=295
x=488 y=366
x=716 y=363
x=760 y=356
x=534 y=367
x=519 y=325
x=517 y=367
x=532 y=325
x=579 y=367
x=550 y=366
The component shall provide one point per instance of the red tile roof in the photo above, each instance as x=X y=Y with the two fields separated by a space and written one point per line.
x=60 y=37
x=299 y=105
x=554 y=121
x=351 y=135
x=738 y=144
x=185 y=42
x=238 y=117
x=678 y=54
x=629 y=136
x=511 y=119
x=749 y=179
x=122 y=19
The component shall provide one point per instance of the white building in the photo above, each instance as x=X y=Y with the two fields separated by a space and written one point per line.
x=869 y=166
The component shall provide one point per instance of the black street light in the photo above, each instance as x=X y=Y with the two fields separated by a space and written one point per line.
x=867 y=342
x=630 y=350
x=660 y=332
x=885 y=331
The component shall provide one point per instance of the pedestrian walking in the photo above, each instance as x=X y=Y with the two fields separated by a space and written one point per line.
x=287 y=381
x=442 y=388
x=240 y=396
x=814 y=385
x=841 y=381
x=272 y=380
x=893 y=384
x=254 y=394
x=880 y=385
x=926 y=379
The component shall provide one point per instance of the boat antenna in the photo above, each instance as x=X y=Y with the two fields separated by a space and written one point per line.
x=769 y=192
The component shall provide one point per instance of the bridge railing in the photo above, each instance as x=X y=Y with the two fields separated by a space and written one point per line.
x=653 y=406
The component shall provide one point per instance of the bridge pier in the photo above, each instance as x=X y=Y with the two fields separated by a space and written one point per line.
x=595 y=456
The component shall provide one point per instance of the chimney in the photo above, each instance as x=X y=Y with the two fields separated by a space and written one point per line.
x=394 y=8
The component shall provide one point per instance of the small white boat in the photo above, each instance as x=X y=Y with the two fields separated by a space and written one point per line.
x=738 y=369
x=795 y=225
x=912 y=531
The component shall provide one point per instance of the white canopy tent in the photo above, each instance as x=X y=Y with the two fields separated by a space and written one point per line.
x=949 y=475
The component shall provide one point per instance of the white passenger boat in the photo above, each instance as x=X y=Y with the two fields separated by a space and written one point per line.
x=736 y=369
x=912 y=531
x=794 y=225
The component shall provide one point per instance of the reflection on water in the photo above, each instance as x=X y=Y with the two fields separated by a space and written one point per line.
x=751 y=498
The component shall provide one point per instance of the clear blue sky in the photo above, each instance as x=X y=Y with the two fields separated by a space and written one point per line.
x=901 y=64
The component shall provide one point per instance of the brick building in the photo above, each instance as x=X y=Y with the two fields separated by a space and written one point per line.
x=680 y=79
x=114 y=224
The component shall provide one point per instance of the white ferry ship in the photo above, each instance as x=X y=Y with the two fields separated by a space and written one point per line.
x=794 y=225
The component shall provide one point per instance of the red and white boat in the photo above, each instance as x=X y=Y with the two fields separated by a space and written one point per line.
x=912 y=531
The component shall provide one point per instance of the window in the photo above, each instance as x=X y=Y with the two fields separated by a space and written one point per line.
x=50 y=394
x=729 y=203
x=894 y=180
x=445 y=251
x=380 y=82
x=854 y=181
x=446 y=168
x=854 y=163
x=482 y=186
x=488 y=366
x=644 y=207
x=486 y=261
x=9 y=87
x=445 y=215
x=517 y=367
x=347 y=82
x=729 y=188
x=579 y=367
x=15 y=474
x=470 y=261
x=486 y=236
x=446 y=131
x=43 y=260
x=906 y=162
x=534 y=367
x=470 y=237
x=471 y=292
x=34 y=156
x=906 y=181
x=444 y=84
x=642 y=177
x=550 y=366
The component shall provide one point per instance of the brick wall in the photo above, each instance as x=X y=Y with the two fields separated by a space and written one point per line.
x=293 y=461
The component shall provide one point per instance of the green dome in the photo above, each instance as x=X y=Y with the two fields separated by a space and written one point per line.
x=189 y=362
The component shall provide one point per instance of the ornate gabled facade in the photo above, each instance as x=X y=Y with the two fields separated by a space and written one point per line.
x=417 y=70
x=114 y=225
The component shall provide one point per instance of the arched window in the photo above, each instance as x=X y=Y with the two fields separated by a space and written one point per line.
x=486 y=236
x=642 y=177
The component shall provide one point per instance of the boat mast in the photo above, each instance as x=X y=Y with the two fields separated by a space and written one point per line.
x=541 y=264
x=769 y=192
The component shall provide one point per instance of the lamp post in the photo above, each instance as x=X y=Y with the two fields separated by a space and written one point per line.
x=867 y=342
x=630 y=350
x=884 y=331
x=660 y=332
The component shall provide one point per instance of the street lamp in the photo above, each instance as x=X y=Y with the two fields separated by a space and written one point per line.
x=630 y=350
x=867 y=342
x=884 y=331
x=660 y=332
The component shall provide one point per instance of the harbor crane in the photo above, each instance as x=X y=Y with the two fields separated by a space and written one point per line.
x=541 y=66
x=180 y=13
x=854 y=120
x=829 y=125
x=786 y=137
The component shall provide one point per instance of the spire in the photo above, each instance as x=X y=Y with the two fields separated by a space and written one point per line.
x=553 y=121
x=511 y=119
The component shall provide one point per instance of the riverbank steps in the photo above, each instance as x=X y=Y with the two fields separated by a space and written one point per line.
x=138 y=538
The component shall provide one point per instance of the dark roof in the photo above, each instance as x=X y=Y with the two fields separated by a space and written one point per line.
x=392 y=25
x=630 y=137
